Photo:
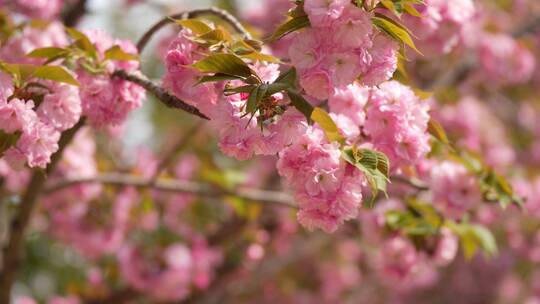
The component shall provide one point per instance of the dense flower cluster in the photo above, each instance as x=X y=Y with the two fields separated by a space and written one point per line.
x=39 y=127
x=409 y=189
x=340 y=46
x=441 y=24
x=107 y=101
x=397 y=122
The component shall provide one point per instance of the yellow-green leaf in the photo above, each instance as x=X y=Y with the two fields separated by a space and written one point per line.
x=55 y=73
x=228 y=64
x=198 y=27
x=395 y=30
x=323 y=119
x=116 y=53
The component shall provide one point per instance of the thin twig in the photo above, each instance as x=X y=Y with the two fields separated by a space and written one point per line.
x=165 y=97
x=213 y=11
x=177 y=186
x=178 y=147
x=13 y=250
x=411 y=182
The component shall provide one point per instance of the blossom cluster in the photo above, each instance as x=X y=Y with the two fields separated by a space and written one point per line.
x=340 y=46
x=39 y=113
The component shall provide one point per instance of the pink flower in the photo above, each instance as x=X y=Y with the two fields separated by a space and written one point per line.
x=36 y=145
x=107 y=101
x=38 y=9
x=383 y=62
x=61 y=108
x=317 y=83
x=455 y=190
x=31 y=38
x=343 y=67
x=440 y=28
x=305 y=49
x=350 y=101
x=447 y=248
x=16 y=115
x=165 y=280
x=398 y=261
x=328 y=192
x=505 y=61
x=322 y=13
x=354 y=29
x=397 y=124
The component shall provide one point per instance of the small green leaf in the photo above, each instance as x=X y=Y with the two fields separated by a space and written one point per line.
x=48 y=52
x=301 y=104
x=55 y=73
x=290 y=26
x=116 y=53
x=323 y=119
x=198 y=27
x=227 y=64
x=253 y=100
x=288 y=77
x=411 y=10
x=437 y=131
x=83 y=42
x=395 y=30
x=7 y=141
x=217 y=77
x=374 y=164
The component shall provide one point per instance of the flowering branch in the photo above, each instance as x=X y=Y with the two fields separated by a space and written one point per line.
x=165 y=97
x=213 y=11
x=178 y=187
x=12 y=251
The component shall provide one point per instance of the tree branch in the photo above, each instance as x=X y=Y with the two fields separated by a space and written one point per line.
x=176 y=186
x=165 y=97
x=411 y=182
x=12 y=251
x=74 y=14
x=213 y=11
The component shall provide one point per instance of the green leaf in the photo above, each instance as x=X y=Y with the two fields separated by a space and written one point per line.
x=374 y=164
x=473 y=238
x=7 y=141
x=290 y=26
x=437 y=131
x=323 y=119
x=55 y=73
x=24 y=72
x=227 y=64
x=411 y=10
x=198 y=27
x=217 y=77
x=288 y=77
x=255 y=97
x=83 y=42
x=256 y=56
x=48 y=53
x=116 y=53
x=395 y=30
x=301 y=104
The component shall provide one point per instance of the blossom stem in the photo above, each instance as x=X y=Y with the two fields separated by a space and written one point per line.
x=13 y=249
x=177 y=186
x=165 y=97
x=212 y=11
